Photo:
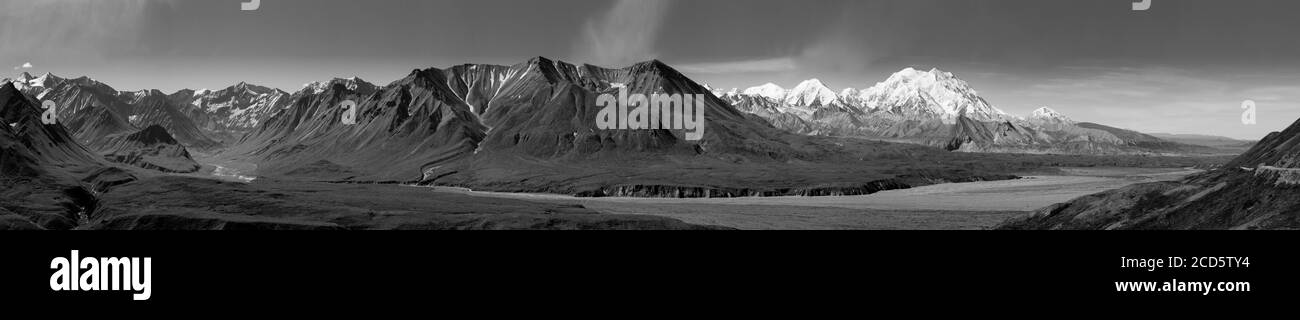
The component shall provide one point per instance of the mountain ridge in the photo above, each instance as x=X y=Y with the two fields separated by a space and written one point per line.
x=936 y=108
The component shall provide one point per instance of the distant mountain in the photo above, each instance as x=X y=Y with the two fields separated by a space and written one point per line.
x=936 y=108
x=354 y=84
x=94 y=111
x=811 y=93
x=151 y=148
x=1045 y=117
x=1207 y=140
x=1254 y=191
x=152 y=107
x=771 y=111
x=915 y=94
x=91 y=110
x=202 y=119
x=33 y=85
x=94 y=127
x=810 y=108
x=230 y=113
x=1138 y=139
x=769 y=90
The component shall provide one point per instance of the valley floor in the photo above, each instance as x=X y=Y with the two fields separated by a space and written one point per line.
x=953 y=206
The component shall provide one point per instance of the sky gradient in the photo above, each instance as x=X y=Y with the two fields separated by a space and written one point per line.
x=1181 y=67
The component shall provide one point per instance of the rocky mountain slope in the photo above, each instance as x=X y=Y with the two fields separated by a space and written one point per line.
x=229 y=113
x=539 y=108
x=152 y=107
x=40 y=165
x=94 y=111
x=151 y=148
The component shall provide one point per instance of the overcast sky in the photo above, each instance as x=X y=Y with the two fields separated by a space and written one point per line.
x=1184 y=66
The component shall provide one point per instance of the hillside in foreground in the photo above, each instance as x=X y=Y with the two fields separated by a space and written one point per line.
x=1256 y=190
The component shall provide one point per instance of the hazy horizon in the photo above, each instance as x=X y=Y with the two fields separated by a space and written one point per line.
x=1182 y=67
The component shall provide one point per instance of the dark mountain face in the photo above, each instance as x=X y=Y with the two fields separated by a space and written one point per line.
x=76 y=95
x=971 y=135
x=92 y=111
x=410 y=123
x=155 y=108
x=15 y=159
x=416 y=127
x=39 y=164
x=94 y=127
x=1254 y=191
x=49 y=144
x=154 y=134
x=151 y=148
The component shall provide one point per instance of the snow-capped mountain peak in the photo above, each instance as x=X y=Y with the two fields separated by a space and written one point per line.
x=770 y=91
x=240 y=106
x=811 y=92
x=849 y=92
x=933 y=93
x=353 y=83
x=46 y=80
x=1048 y=114
x=854 y=97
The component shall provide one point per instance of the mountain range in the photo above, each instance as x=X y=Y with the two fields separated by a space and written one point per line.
x=936 y=108
x=522 y=127
x=932 y=108
x=527 y=127
x=133 y=179
x=447 y=125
